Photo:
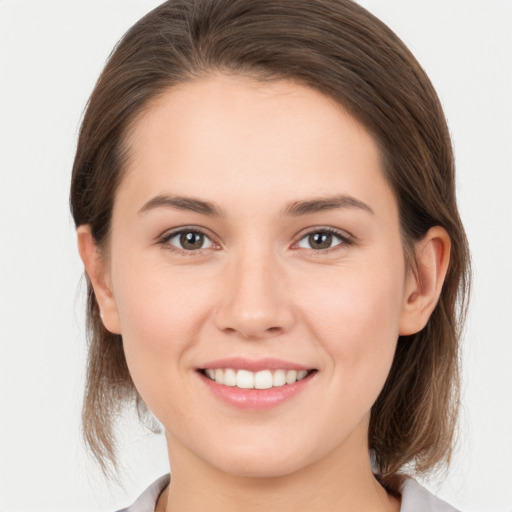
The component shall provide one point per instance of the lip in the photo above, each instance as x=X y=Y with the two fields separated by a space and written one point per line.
x=254 y=365
x=255 y=399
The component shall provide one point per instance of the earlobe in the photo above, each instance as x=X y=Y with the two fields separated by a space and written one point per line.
x=97 y=271
x=425 y=282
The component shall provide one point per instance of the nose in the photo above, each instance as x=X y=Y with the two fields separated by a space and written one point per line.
x=255 y=303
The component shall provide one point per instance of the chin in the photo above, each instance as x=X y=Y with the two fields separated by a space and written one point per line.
x=260 y=462
x=261 y=469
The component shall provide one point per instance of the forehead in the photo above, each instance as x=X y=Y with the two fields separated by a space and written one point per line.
x=230 y=135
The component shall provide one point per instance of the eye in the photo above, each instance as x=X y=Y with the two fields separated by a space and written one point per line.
x=322 y=239
x=188 y=240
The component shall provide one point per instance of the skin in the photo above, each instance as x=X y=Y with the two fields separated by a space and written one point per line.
x=259 y=290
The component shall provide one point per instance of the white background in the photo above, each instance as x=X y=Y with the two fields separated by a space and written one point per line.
x=51 y=53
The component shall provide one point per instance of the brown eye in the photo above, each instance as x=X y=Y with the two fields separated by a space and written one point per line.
x=189 y=240
x=320 y=240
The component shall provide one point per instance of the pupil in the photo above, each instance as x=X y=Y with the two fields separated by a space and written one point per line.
x=191 y=240
x=320 y=240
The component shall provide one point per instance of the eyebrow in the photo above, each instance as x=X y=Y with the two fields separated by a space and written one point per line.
x=181 y=203
x=294 y=209
x=309 y=206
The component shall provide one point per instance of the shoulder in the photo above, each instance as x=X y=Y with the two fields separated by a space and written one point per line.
x=146 y=502
x=415 y=497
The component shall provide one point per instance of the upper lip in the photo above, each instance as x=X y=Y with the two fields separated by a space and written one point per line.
x=254 y=365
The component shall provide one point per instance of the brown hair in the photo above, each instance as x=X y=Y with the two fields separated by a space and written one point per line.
x=340 y=49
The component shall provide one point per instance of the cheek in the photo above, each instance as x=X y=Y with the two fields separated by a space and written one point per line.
x=356 y=316
x=161 y=314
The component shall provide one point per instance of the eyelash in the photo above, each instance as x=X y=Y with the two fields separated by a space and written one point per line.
x=345 y=240
x=165 y=239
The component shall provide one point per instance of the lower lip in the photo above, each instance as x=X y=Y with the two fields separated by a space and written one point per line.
x=259 y=399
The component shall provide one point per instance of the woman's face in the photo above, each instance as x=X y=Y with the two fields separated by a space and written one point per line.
x=254 y=239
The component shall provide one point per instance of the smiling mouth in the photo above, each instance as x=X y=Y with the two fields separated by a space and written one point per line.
x=263 y=379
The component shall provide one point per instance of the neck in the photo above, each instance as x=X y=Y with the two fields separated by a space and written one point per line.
x=332 y=484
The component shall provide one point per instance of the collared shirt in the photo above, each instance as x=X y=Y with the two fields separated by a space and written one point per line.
x=415 y=498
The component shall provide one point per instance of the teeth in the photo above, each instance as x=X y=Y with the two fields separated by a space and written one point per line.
x=244 y=379
x=279 y=378
x=291 y=376
x=301 y=374
x=219 y=376
x=264 y=379
x=229 y=377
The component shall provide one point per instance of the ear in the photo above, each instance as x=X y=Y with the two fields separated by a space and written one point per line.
x=425 y=282
x=97 y=271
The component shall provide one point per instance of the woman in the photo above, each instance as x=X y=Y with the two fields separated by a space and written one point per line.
x=265 y=206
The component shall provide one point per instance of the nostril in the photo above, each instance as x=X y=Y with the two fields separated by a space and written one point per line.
x=249 y=333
